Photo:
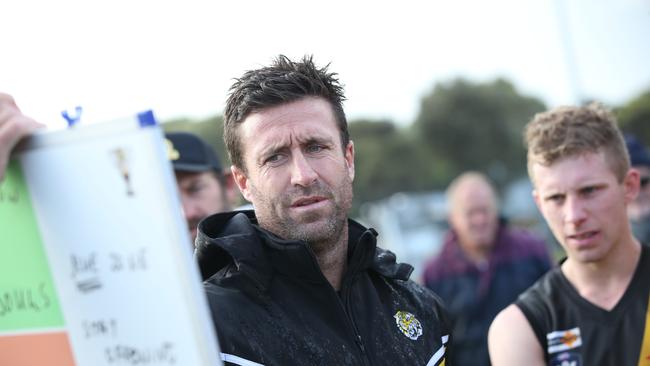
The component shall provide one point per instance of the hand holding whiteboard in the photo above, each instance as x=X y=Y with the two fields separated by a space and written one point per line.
x=106 y=265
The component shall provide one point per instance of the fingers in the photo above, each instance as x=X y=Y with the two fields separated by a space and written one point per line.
x=13 y=126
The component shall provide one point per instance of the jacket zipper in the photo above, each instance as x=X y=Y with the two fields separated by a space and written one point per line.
x=346 y=309
x=345 y=292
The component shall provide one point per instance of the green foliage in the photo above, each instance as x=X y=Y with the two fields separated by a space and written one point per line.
x=634 y=117
x=387 y=160
x=461 y=125
x=477 y=126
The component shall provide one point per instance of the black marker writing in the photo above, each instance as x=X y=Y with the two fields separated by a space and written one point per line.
x=25 y=299
x=9 y=195
x=86 y=264
x=134 y=261
x=130 y=355
x=100 y=328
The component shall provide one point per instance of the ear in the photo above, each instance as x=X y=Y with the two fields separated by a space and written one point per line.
x=451 y=218
x=349 y=159
x=631 y=185
x=241 y=180
x=232 y=194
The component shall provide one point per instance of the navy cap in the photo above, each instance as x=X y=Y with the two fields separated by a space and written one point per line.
x=639 y=155
x=189 y=153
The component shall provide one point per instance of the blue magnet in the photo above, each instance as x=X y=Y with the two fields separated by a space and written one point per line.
x=146 y=118
x=72 y=119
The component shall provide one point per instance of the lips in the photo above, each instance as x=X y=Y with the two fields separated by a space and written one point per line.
x=583 y=236
x=585 y=239
x=307 y=201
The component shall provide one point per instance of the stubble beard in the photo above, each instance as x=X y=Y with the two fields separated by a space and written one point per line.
x=321 y=233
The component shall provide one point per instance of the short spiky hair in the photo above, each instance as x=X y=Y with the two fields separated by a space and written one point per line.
x=282 y=82
x=572 y=131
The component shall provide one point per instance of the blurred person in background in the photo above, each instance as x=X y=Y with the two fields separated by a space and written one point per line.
x=203 y=186
x=483 y=265
x=639 y=210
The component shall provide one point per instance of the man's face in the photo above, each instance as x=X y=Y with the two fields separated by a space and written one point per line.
x=584 y=204
x=201 y=195
x=298 y=176
x=474 y=216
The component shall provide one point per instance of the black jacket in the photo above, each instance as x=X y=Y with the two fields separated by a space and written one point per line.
x=272 y=305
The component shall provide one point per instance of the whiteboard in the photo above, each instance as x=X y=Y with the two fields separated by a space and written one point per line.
x=95 y=265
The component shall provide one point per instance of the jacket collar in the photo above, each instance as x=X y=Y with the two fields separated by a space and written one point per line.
x=235 y=237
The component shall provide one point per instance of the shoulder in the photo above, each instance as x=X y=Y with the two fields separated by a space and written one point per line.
x=521 y=243
x=412 y=290
x=547 y=286
x=230 y=291
x=541 y=293
x=448 y=263
x=522 y=237
x=511 y=340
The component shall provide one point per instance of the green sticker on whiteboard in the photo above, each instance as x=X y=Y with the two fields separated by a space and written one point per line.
x=27 y=295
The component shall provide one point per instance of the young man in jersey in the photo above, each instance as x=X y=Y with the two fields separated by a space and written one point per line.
x=592 y=309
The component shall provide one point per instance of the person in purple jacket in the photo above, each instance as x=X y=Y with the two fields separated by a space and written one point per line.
x=483 y=265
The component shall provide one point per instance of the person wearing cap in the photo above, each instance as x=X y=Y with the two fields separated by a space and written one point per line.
x=639 y=209
x=202 y=184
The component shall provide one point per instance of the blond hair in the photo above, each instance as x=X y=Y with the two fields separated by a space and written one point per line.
x=572 y=131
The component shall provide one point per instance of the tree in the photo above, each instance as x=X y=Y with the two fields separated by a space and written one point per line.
x=477 y=126
x=634 y=117
x=387 y=160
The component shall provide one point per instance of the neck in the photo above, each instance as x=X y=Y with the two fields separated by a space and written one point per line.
x=332 y=257
x=477 y=254
x=604 y=282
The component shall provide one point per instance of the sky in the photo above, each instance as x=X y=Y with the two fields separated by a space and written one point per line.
x=179 y=57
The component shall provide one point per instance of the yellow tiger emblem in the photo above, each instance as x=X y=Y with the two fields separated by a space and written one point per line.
x=408 y=324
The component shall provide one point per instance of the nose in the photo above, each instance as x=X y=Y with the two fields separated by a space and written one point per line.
x=574 y=211
x=478 y=217
x=190 y=209
x=302 y=173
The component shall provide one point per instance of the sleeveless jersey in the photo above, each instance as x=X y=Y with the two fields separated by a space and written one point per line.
x=574 y=332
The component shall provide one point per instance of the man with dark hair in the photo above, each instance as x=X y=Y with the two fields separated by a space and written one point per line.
x=593 y=309
x=302 y=284
x=202 y=184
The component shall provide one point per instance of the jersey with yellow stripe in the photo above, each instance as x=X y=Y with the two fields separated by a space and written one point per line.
x=574 y=332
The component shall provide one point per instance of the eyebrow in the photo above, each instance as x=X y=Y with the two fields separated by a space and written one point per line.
x=318 y=140
x=271 y=149
x=553 y=194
